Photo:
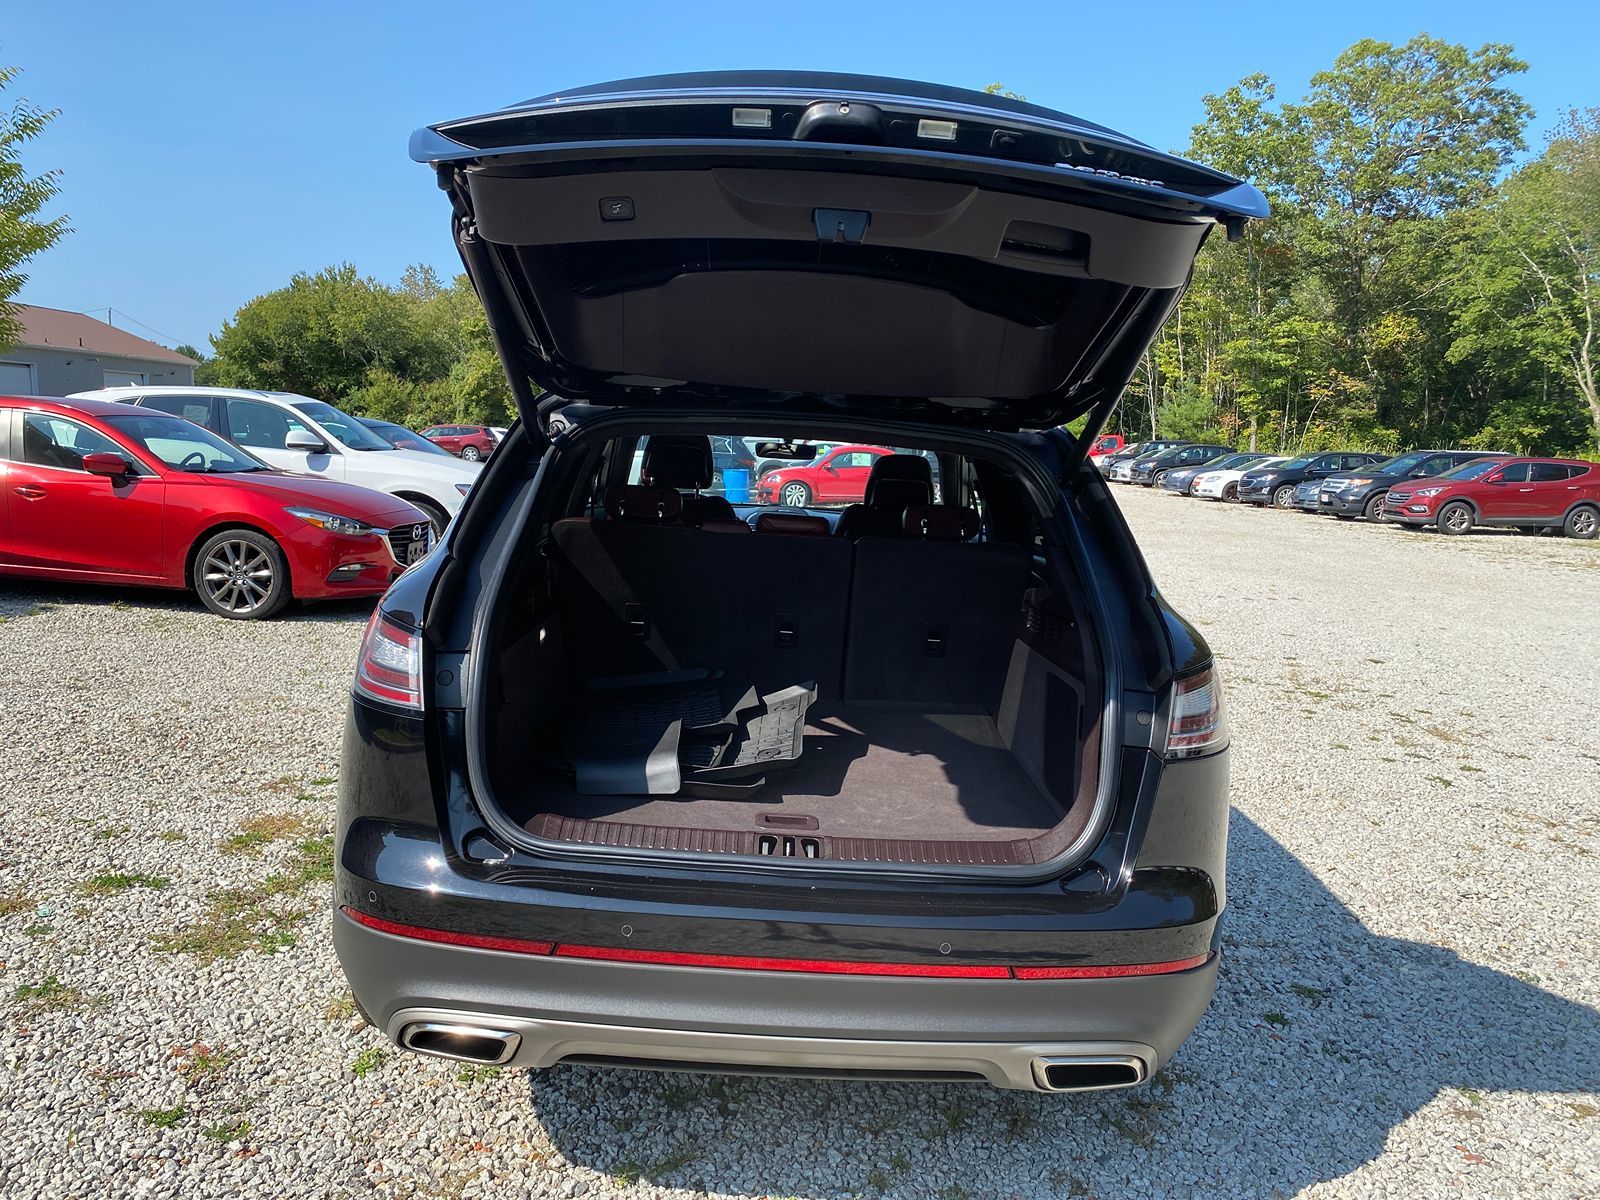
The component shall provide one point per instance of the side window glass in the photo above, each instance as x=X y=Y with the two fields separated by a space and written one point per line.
x=1516 y=473
x=190 y=408
x=1328 y=462
x=51 y=441
x=1548 y=473
x=262 y=426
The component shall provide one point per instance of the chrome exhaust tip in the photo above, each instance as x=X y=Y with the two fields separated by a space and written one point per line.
x=1088 y=1073
x=464 y=1043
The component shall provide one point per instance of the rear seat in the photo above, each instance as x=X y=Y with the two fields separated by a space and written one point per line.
x=641 y=598
x=932 y=619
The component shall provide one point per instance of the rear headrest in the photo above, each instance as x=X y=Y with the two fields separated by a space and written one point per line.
x=677 y=461
x=941 y=522
x=794 y=524
x=643 y=505
x=898 y=480
x=723 y=525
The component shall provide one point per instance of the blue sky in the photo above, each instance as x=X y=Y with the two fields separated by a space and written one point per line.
x=209 y=151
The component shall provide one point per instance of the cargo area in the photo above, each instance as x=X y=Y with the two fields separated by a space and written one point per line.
x=684 y=677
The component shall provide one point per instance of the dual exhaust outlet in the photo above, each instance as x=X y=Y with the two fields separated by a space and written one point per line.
x=487 y=1045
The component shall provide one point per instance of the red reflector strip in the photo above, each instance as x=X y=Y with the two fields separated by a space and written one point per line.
x=476 y=941
x=734 y=962
x=739 y=962
x=1121 y=971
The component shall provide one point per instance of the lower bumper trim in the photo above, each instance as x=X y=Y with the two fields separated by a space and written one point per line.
x=539 y=1042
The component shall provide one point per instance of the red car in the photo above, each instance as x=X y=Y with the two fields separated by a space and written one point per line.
x=1106 y=443
x=837 y=477
x=471 y=442
x=1525 y=493
x=97 y=492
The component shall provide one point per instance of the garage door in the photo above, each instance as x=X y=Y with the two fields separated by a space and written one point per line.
x=16 y=379
x=126 y=379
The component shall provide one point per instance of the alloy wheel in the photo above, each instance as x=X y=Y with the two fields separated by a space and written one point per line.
x=471 y=453
x=1583 y=524
x=796 y=495
x=1284 y=497
x=237 y=576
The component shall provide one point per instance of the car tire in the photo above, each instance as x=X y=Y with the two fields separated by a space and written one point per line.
x=1373 y=512
x=437 y=517
x=241 y=574
x=1582 y=523
x=794 y=495
x=471 y=454
x=1230 y=493
x=1283 y=496
x=1456 y=518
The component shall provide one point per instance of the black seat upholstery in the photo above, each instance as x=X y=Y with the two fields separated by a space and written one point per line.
x=897 y=482
x=685 y=463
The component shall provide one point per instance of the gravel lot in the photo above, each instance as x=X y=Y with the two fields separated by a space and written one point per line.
x=1408 y=992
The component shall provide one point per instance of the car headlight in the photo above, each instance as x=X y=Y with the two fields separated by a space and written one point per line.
x=463 y=488
x=332 y=522
x=1434 y=491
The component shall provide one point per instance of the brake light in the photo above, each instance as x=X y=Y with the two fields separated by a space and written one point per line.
x=390 y=666
x=1197 y=726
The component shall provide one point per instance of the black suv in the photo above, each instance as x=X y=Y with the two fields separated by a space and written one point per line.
x=935 y=787
x=1360 y=493
x=1275 y=485
x=1152 y=470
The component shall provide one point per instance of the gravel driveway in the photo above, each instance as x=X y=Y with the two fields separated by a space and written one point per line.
x=1408 y=986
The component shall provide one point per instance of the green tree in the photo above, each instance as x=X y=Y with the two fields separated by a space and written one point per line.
x=22 y=198
x=324 y=334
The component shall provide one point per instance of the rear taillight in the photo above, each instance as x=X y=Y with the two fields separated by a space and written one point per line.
x=390 y=666
x=1197 y=726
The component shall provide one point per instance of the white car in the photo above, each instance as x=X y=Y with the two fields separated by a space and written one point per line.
x=1224 y=485
x=311 y=437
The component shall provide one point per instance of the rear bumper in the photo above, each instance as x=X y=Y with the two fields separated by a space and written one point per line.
x=762 y=1022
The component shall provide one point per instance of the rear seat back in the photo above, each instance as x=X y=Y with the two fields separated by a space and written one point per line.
x=769 y=609
x=933 y=621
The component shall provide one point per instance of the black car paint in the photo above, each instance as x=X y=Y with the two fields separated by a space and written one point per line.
x=1260 y=486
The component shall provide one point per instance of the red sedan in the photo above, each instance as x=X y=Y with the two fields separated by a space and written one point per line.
x=837 y=477
x=95 y=492
x=1522 y=493
x=471 y=442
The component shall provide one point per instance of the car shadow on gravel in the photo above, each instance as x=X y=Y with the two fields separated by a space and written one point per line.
x=1324 y=1038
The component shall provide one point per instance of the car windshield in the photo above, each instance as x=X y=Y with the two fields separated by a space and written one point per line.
x=1294 y=463
x=184 y=446
x=342 y=425
x=402 y=438
x=1399 y=465
x=1232 y=461
x=1475 y=469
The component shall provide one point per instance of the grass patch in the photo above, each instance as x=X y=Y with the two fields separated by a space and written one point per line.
x=200 y=1062
x=112 y=882
x=340 y=1009
x=263 y=831
x=108 y=832
x=365 y=1063
x=324 y=781
x=476 y=1073
x=15 y=902
x=228 y=1131
x=1306 y=992
x=39 y=930
x=50 y=995
x=1441 y=780
x=1582 y=1111
x=172 y=835
x=629 y=1172
x=242 y=919
x=163 y=1118
x=1275 y=1018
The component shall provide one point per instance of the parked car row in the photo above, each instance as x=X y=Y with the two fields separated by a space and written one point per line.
x=247 y=498
x=1451 y=490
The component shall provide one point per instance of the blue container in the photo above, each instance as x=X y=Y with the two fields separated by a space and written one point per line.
x=736 y=486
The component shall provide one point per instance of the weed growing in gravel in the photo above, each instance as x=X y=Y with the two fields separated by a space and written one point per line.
x=112 y=882
x=108 y=832
x=340 y=1009
x=173 y=835
x=956 y=1117
x=49 y=996
x=1441 y=780
x=228 y=1131
x=163 y=1118
x=365 y=1063
x=242 y=919
x=954 y=1191
x=264 y=830
x=15 y=902
x=629 y=1172
x=323 y=781
x=39 y=930
x=677 y=1097
x=1275 y=1018
x=1306 y=992
x=199 y=1061
x=476 y=1073
x=1581 y=1111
